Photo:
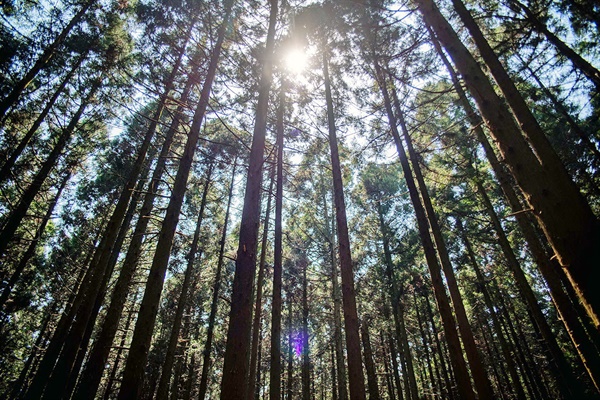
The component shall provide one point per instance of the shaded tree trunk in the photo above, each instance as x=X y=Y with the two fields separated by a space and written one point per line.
x=234 y=384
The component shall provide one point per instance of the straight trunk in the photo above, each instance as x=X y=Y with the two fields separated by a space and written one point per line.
x=13 y=97
x=369 y=364
x=17 y=214
x=215 y=298
x=7 y=167
x=356 y=378
x=165 y=376
x=234 y=384
x=142 y=336
x=254 y=355
x=30 y=252
x=564 y=215
x=480 y=378
x=456 y=356
x=306 y=381
x=578 y=62
x=275 y=367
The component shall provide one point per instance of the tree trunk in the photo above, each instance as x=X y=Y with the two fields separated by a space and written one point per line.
x=142 y=336
x=565 y=217
x=275 y=364
x=565 y=377
x=234 y=384
x=42 y=61
x=306 y=381
x=254 y=355
x=369 y=364
x=578 y=62
x=20 y=211
x=8 y=165
x=165 y=376
x=215 y=298
x=356 y=378
x=30 y=252
x=480 y=378
x=92 y=374
x=458 y=362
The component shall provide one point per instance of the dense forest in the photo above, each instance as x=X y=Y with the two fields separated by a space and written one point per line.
x=285 y=199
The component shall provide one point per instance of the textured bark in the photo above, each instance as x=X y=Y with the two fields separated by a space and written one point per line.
x=275 y=363
x=355 y=373
x=142 y=336
x=457 y=359
x=215 y=298
x=92 y=374
x=369 y=364
x=565 y=378
x=165 y=375
x=254 y=353
x=13 y=97
x=566 y=309
x=234 y=384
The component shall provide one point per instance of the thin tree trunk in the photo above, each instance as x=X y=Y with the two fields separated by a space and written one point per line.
x=142 y=336
x=565 y=377
x=355 y=373
x=165 y=376
x=234 y=384
x=8 y=165
x=92 y=374
x=426 y=345
x=306 y=381
x=34 y=243
x=11 y=99
x=578 y=62
x=216 y=289
x=20 y=211
x=275 y=364
x=369 y=364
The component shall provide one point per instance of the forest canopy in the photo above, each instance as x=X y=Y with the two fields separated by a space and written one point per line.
x=292 y=199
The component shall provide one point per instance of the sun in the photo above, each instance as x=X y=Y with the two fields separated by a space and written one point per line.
x=295 y=61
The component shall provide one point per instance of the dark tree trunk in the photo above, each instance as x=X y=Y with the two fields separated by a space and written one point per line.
x=142 y=336
x=275 y=364
x=234 y=384
x=8 y=165
x=566 y=218
x=20 y=211
x=254 y=353
x=369 y=364
x=480 y=378
x=457 y=359
x=215 y=298
x=12 y=98
x=306 y=381
x=355 y=373
x=165 y=376
x=30 y=252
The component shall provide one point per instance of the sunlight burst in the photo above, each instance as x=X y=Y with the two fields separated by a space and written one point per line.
x=295 y=61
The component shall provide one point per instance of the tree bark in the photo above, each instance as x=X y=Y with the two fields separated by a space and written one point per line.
x=234 y=384
x=216 y=289
x=355 y=373
x=369 y=364
x=142 y=336
x=457 y=359
x=165 y=375
x=566 y=218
